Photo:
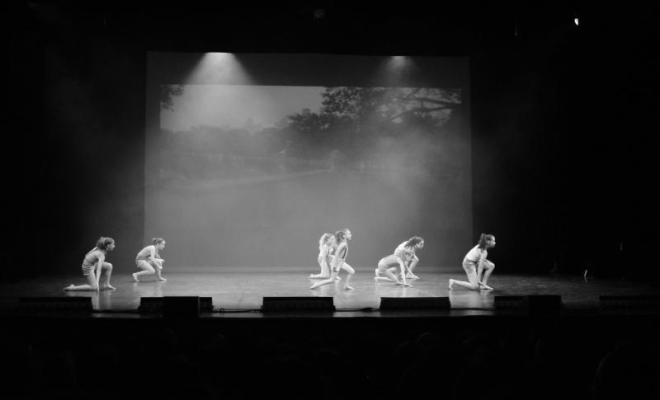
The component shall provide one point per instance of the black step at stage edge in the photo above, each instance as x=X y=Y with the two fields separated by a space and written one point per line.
x=533 y=304
x=156 y=304
x=542 y=304
x=510 y=302
x=181 y=307
x=630 y=302
x=82 y=304
x=414 y=303
x=298 y=304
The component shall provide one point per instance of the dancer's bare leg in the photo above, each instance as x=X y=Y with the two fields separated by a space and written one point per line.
x=464 y=284
x=158 y=269
x=325 y=271
x=402 y=281
x=488 y=269
x=338 y=278
x=91 y=284
x=147 y=269
x=106 y=271
x=331 y=279
x=411 y=267
x=351 y=272
x=380 y=277
x=392 y=276
x=473 y=283
x=385 y=269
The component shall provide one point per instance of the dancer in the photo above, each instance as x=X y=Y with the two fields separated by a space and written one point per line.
x=94 y=265
x=149 y=261
x=387 y=266
x=327 y=244
x=339 y=261
x=475 y=263
x=412 y=244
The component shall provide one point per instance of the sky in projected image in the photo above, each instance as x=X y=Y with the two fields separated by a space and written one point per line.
x=252 y=175
x=238 y=106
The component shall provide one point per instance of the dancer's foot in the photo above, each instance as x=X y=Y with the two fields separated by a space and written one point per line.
x=484 y=286
x=135 y=278
x=314 y=286
x=162 y=279
x=451 y=284
x=108 y=287
x=338 y=278
x=70 y=287
x=412 y=276
x=348 y=287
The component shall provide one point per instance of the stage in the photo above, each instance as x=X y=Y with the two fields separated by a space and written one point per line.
x=239 y=292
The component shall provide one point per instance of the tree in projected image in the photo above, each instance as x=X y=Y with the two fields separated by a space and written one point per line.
x=366 y=124
x=408 y=131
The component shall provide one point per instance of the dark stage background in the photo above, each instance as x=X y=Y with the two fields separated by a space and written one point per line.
x=563 y=137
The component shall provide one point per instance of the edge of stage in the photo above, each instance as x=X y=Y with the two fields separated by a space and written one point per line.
x=242 y=294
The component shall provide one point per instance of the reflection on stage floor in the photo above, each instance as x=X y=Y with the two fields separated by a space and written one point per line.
x=239 y=292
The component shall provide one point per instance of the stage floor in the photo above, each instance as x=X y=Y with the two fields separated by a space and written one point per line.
x=239 y=292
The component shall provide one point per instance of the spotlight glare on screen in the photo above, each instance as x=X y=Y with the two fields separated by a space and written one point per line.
x=218 y=68
x=395 y=69
x=397 y=62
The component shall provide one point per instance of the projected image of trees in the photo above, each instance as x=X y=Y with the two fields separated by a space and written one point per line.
x=381 y=131
x=252 y=175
